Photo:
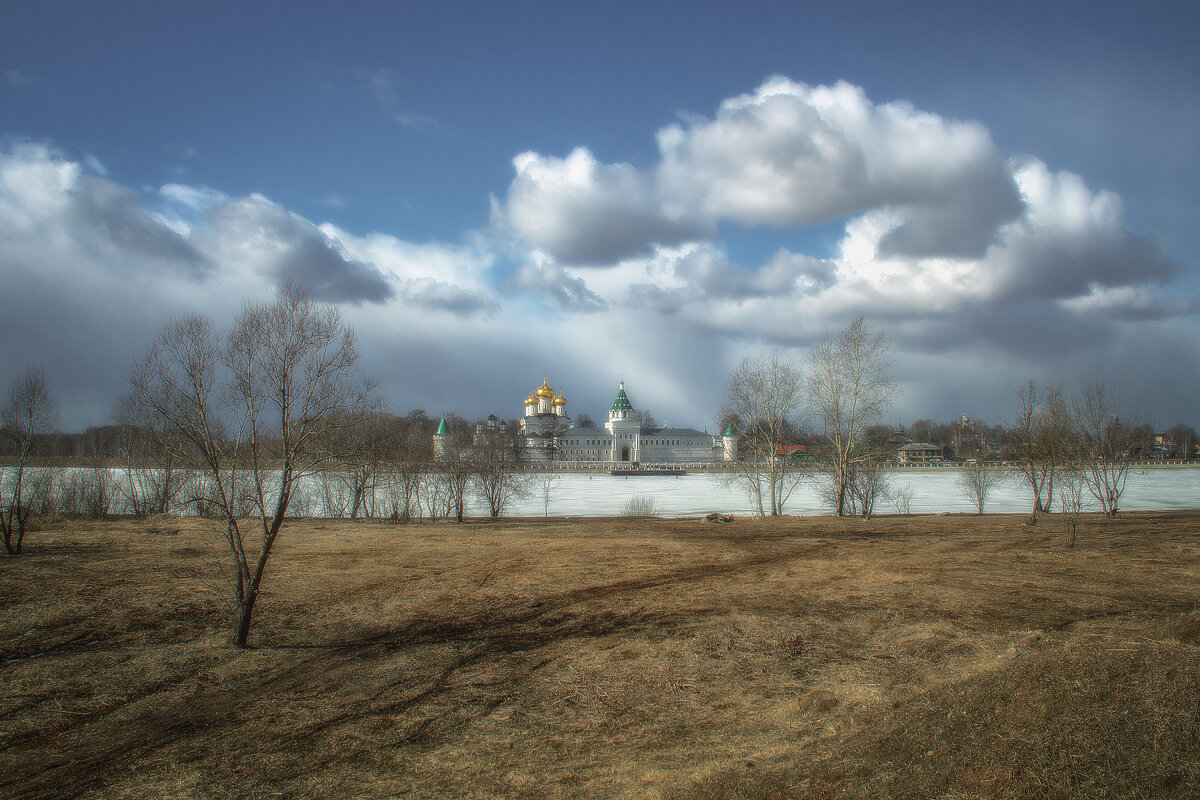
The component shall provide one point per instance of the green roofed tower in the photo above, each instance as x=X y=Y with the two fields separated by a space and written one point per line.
x=441 y=440
x=621 y=407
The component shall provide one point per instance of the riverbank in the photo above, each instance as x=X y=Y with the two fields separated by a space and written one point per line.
x=907 y=656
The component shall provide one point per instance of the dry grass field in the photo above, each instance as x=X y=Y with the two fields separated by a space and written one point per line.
x=900 y=657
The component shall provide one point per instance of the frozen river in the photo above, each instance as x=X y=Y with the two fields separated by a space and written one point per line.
x=933 y=490
x=600 y=494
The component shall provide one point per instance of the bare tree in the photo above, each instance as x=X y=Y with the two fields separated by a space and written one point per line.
x=977 y=478
x=256 y=412
x=868 y=482
x=546 y=483
x=849 y=388
x=363 y=453
x=496 y=471
x=764 y=395
x=407 y=454
x=452 y=471
x=30 y=412
x=335 y=495
x=1183 y=441
x=1070 y=494
x=152 y=475
x=1042 y=440
x=1104 y=426
x=901 y=497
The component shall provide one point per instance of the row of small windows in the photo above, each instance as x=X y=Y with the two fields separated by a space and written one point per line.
x=649 y=442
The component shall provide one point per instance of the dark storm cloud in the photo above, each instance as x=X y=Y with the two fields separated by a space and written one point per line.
x=1066 y=264
x=956 y=221
x=259 y=234
x=52 y=211
x=115 y=221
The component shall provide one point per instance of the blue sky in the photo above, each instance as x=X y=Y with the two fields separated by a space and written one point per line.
x=501 y=191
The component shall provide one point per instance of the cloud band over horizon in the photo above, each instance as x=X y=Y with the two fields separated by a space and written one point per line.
x=588 y=268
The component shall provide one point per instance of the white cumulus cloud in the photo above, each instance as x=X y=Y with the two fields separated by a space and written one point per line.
x=789 y=155
x=581 y=211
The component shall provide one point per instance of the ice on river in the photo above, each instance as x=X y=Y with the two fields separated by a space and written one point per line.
x=933 y=491
x=697 y=493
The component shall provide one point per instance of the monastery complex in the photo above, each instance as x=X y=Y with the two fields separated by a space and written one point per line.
x=547 y=435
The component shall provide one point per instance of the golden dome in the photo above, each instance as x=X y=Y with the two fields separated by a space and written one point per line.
x=531 y=400
x=545 y=391
x=560 y=401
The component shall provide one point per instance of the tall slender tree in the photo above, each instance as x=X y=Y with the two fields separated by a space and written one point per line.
x=764 y=396
x=849 y=389
x=1104 y=426
x=1042 y=436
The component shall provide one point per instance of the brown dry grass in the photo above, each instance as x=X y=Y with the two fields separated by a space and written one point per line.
x=904 y=657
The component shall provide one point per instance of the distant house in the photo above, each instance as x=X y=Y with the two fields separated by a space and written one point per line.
x=918 y=453
x=794 y=451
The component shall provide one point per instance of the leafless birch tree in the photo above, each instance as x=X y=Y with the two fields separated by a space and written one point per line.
x=868 y=483
x=1104 y=425
x=256 y=411
x=849 y=388
x=764 y=395
x=30 y=411
x=1042 y=435
x=547 y=482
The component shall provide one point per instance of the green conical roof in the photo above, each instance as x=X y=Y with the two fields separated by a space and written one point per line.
x=622 y=402
x=442 y=430
x=728 y=430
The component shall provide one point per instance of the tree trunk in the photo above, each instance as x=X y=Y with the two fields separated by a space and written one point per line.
x=774 y=477
x=245 y=611
x=6 y=527
x=843 y=487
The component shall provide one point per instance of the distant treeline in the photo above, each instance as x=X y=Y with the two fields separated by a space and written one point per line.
x=112 y=441
x=960 y=439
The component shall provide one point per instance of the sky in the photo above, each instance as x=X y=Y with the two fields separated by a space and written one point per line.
x=497 y=193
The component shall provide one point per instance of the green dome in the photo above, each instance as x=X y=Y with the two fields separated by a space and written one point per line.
x=442 y=429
